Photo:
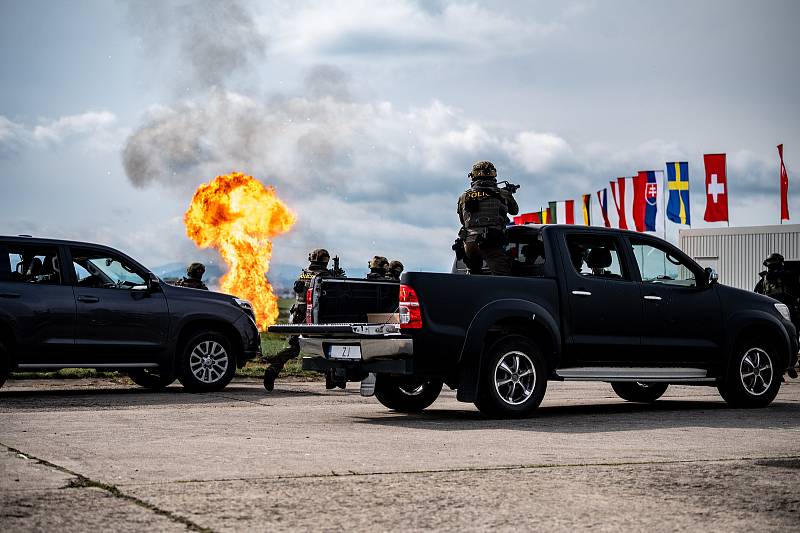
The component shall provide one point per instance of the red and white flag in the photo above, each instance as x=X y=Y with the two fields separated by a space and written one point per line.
x=716 y=188
x=622 y=191
x=564 y=212
x=784 y=187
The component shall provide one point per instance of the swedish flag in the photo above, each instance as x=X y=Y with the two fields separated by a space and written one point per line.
x=678 y=187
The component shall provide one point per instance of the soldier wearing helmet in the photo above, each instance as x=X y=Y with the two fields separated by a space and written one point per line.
x=395 y=270
x=378 y=267
x=783 y=284
x=483 y=210
x=194 y=277
x=317 y=267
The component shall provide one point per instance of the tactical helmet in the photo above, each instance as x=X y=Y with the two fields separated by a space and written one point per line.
x=773 y=260
x=483 y=169
x=396 y=265
x=196 y=270
x=320 y=255
x=379 y=263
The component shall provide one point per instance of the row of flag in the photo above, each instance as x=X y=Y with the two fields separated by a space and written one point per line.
x=638 y=200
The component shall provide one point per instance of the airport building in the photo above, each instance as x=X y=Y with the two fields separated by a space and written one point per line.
x=738 y=253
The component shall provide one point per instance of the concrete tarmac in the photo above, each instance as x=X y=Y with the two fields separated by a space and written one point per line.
x=79 y=455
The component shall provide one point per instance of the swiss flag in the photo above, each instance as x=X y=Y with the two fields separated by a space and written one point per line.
x=716 y=188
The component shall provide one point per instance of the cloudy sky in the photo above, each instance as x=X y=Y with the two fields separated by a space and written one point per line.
x=366 y=115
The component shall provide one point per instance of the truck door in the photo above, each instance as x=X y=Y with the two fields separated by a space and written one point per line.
x=116 y=323
x=35 y=299
x=605 y=309
x=683 y=322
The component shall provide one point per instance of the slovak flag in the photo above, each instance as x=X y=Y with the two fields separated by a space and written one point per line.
x=645 y=204
x=716 y=188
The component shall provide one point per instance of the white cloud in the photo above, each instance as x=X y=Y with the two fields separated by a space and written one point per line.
x=58 y=130
x=96 y=128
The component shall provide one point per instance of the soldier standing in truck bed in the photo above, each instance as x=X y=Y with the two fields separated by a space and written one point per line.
x=395 y=270
x=378 y=267
x=318 y=266
x=483 y=210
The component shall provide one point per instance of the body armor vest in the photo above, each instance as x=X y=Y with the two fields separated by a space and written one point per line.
x=483 y=207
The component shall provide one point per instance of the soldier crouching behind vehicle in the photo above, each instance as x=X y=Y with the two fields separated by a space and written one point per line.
x=783 y=284
x=194 y=277
x=318 y=266
x=483 y=210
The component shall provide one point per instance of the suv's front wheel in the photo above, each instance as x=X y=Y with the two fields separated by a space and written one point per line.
x=207 y=363
x=753 y=377
x=406 y=395
x=513 y=378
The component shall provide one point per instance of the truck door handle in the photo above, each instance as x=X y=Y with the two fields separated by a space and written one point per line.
x=653 y=297
x=581 y=293
x=9 y=295
x=88 y=299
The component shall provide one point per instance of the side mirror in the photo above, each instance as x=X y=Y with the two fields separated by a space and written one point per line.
x=153 y=283
x=712 y=277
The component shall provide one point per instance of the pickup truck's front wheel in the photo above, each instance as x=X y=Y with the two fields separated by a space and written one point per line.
x=513 y=378
x=406 y=395
x=753 y=377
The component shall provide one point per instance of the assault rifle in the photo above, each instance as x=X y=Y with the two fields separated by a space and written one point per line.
x=510 y=187
x=337 y=271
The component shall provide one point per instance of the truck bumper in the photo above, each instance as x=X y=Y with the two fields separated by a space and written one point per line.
x=378 y=348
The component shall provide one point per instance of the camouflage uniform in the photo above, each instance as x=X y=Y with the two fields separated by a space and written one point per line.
x=194 y=277
x=318 y=267
x=395 y=270
x=378 y=267
x=783 y=285
x=483 y=210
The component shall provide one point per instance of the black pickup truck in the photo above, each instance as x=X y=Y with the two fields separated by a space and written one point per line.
x=584 y=304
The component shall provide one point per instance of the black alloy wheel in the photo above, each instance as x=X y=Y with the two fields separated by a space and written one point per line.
x=513 y=378
x=753 y=378
x=639 y=392
x=407 y=395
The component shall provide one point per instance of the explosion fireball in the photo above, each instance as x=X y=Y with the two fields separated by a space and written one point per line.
x=238 y=216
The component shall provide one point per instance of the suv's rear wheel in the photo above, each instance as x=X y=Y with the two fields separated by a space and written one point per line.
x=513 y=378
x=406 y=395
x=151 y=378
x=753 y=377
x=207 y=363
x=639 y=392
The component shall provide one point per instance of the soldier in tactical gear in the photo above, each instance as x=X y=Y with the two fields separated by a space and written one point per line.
x=782 y=284
x=483 y=210
x=395 y=270
x=378 y=267
x=318 y=266
x=194 y=277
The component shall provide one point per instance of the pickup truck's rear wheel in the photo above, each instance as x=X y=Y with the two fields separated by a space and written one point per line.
x=753 y=377
x=207 y=363
x=513 y=378
x=151 y=378
x=639 y=392
x=406 y=395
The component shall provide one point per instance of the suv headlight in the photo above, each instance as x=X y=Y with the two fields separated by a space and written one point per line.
x=244 y=304
x=784 y=311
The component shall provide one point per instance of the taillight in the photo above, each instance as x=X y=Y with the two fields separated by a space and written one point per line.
x=410 y=314
x=309 y=319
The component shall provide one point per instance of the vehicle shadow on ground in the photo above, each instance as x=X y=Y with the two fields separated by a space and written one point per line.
x=125 y=396
x=602 y=418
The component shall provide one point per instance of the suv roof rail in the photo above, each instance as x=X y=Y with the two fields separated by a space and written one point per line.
x=25 y=236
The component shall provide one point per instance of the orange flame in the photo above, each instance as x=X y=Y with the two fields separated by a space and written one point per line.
x=237 y=215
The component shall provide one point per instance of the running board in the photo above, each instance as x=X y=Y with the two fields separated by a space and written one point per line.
x=37 y=366
x=609 y=373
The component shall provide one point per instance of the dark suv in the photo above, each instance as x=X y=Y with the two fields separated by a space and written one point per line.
x=70 y=304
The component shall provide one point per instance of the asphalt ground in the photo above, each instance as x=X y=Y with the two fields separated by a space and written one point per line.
x=80 y=455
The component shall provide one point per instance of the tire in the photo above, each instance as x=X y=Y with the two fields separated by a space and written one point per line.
x=5 y=364
x=513 y=378
x=753 y=377
x=207 y=363
x=405 y=394
x=639 y=392
x=150 y=378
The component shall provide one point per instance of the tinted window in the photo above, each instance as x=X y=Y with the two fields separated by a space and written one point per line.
x=595 y=256
x=659 y=266
x=34 y=264
x=103 y=270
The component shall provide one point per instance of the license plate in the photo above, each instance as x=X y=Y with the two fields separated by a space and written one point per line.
x=346 y=352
